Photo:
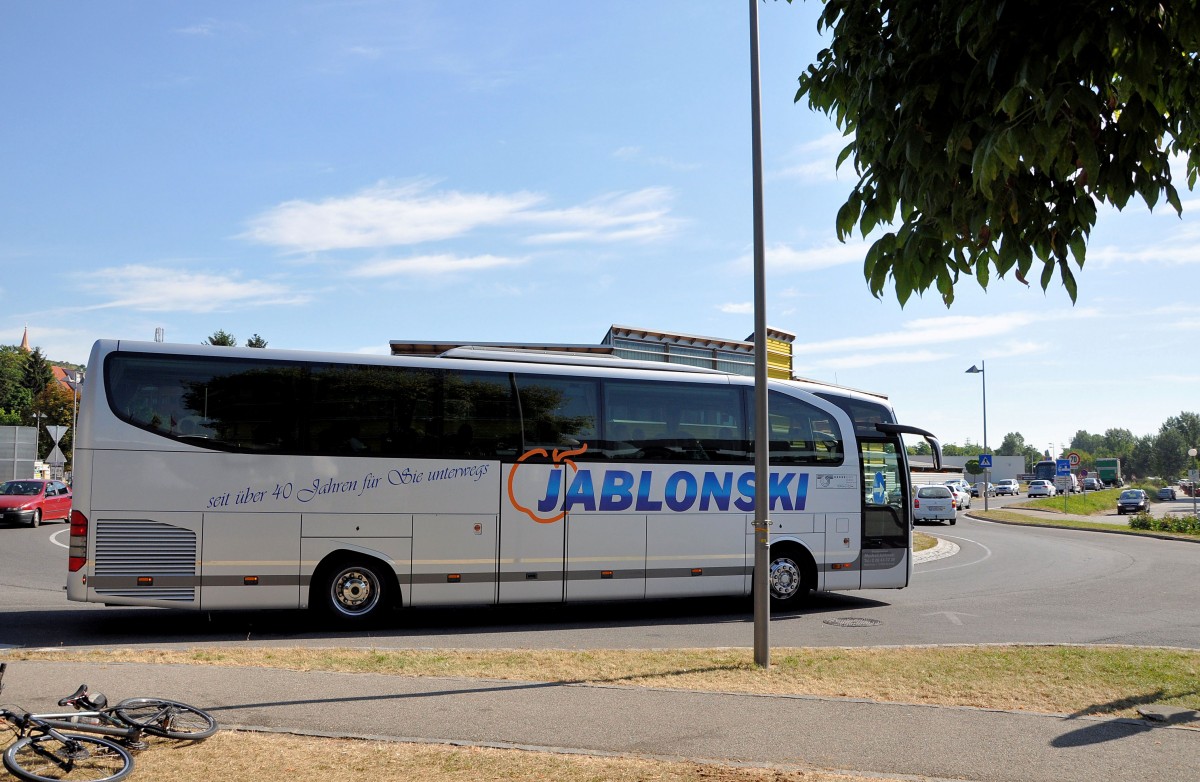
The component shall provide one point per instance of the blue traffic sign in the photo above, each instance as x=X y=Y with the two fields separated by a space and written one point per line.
x=985 y=460
x=1062 y=467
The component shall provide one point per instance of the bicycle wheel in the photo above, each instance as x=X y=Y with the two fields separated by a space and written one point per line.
x=171 y=719
x=45 y=758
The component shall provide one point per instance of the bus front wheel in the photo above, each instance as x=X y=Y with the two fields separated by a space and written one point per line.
x=355 y=591
x=789 y=577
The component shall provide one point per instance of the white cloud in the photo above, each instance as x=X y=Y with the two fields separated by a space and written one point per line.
x=209 y=27
x=1177 y=252
x=431 y=265
x=636 y=155
x=157 y=289
x=383 y=217
x=915 y=341
x=860 y=360
x=815 y=160
x=738 y=308
x=636 y=216
x=410 y=214
x=784 y=258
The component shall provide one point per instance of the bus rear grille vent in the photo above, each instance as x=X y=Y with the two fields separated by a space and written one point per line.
x=130 y=548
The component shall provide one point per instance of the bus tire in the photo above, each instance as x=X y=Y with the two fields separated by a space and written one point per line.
x=792 y=576
x=354 y=590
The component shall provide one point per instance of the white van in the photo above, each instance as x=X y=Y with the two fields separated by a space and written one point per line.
x=1065 y=483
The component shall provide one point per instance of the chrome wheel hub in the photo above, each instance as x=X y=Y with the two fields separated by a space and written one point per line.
x=785 y=578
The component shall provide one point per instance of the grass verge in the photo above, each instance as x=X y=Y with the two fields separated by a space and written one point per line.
x=1051 y=520
x=1084 y=504
x=1058 y=679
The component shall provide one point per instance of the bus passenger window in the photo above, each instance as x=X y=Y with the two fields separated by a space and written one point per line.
x=560 y=413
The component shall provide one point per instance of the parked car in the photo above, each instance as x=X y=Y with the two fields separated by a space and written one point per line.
x=935 y=503
x=34 y=501
x=1008 y=486
x=976 y=487
x=1041 y=488
x=1167 y=493
x=1133 y=501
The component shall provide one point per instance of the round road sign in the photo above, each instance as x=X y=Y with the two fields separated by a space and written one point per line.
x=1074 y=457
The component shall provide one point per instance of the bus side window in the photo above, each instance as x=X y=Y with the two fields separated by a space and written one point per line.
x=674 y=421
x=560 y=413
x=802 y=433
x=481 y=420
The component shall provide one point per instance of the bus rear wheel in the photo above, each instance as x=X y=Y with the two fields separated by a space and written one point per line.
x=355 y=591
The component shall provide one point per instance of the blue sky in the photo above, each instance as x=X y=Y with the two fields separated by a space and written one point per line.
x=335 y=175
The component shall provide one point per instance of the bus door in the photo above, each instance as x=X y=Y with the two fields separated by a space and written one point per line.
x=887 y=534
x=533 y=531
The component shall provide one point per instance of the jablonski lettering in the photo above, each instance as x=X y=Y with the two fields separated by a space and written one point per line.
x=681 y=491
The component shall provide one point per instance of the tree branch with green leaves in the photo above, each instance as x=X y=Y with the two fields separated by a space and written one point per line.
x=986 y=134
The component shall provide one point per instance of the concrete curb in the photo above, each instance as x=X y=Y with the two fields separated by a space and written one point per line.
x=943 y=549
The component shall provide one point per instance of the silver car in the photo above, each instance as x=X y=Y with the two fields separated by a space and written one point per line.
x=1008 y=486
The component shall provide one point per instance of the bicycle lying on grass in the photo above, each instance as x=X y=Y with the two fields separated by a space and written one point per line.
x=49 y=747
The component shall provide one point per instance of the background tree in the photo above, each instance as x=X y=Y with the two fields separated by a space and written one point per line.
x=1188 y=426
x=991 y=131
x=1118 y=442
x=1170 y=454
x=256 y=342
x=36 y=374
x=15 y=398
x=222 y=338
x=1013 y=444
x=1140 y=462
x=1084 y=441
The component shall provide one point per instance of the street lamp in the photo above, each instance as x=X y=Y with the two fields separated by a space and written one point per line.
x=37 y=434
x=987 y=474
x=1192 y=453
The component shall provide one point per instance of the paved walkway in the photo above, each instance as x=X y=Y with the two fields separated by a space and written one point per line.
x=859 y=736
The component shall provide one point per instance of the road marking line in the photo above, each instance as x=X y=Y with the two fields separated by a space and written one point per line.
x=59 y=543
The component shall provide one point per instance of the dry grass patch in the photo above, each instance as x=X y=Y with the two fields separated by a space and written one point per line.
x=1056 y=679
x=921 y=541
x=244 y=755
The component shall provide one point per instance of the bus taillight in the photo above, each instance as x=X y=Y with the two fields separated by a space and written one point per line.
x=77 y=555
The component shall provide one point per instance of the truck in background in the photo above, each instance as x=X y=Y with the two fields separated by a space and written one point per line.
x=1110 y=472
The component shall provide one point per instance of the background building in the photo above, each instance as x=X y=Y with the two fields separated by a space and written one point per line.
x=734 y=356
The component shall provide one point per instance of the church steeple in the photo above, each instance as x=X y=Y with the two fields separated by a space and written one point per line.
x=25 y=340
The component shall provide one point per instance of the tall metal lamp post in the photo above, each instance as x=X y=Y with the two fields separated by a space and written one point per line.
x=987 y=474
x=1192 y=453
x=37 y=439
x=762 y=428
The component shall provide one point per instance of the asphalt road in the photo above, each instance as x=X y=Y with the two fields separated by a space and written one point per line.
x=1006 y=584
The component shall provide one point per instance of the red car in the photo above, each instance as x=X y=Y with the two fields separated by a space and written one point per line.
x=34 y=501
